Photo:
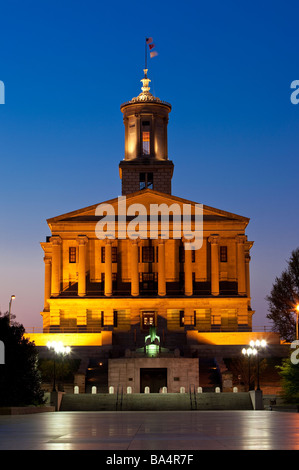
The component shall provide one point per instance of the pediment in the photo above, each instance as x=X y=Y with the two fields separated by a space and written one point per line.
x=147 y=198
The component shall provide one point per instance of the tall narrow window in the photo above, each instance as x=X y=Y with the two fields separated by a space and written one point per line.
x=113 y=254
x=115 y=318
x=146 y=180
x=182 y=254
x=142 y=181
x=223 y=254
x=145 y=143
x=72 y=254
x=148 y=254
x=146 y=137
x=150 y=181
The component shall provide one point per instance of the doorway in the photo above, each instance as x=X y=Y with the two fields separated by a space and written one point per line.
x=154 y=378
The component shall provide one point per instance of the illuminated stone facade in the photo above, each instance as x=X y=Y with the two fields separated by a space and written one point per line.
x=109 y=292
x=93 y=284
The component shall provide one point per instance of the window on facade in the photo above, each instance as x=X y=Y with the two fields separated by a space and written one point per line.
x=182 y=318
x=114 y=277
x=146 y=180
x=150 y=181
x=148 y=254
x=145 y=143
x=182 y=255
x=72 y=254
x=148 y=319
x=106 y=321
x=142 y=181
x=113 y=254
x=223 y=254
x=145 y=137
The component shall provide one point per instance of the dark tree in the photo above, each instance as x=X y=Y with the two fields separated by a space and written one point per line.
x=283 y=299
x=289 y=373
x=20 y=382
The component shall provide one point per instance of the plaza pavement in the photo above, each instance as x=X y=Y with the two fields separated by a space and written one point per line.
x=151 y=431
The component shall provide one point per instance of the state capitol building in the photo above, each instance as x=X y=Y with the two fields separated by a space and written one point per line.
x=149 y=307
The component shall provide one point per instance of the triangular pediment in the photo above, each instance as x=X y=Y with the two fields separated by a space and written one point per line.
x=146 y=198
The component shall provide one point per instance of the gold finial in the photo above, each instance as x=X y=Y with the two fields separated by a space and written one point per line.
x=145 y=81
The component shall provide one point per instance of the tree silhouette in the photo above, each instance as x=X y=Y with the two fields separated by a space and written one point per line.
x=283 y=299
x=20 y=382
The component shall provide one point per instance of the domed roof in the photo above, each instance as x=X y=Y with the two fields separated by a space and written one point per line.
x=145 y=96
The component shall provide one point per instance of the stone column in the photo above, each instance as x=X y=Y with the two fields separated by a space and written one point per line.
x=56 y=265
x=134 y=269
x=240 y=239
x=47 y=291
x=214 y=241
x=188 y=271
x=247 y=271
x=82 y=242
x=161 y=268
x=108 y=268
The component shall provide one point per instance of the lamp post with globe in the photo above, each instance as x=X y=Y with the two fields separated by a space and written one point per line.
x=58 y=349
x=258 y=345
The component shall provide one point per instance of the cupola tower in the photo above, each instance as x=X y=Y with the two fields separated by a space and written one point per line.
x=146 y=164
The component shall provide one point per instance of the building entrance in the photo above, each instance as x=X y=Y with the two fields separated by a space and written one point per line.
x=155 y=379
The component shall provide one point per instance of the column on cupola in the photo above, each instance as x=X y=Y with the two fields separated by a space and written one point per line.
x=56 y=265
x=161 y=268
x=241 y=270
x=47 y=290
x=188 y=269
x=134 y=268
x=108 y=267
x=82 y=244
x=214 y=241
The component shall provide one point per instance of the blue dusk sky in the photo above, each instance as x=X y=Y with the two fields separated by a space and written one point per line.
x=233 y=134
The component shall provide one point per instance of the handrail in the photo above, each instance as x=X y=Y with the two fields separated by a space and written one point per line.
x=117 y=397
x=194 y=396
x=38 y=329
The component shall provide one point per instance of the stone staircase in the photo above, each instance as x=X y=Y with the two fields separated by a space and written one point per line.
x=156 y=402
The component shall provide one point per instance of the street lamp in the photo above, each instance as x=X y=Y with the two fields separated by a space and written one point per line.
x=249 y=352
x=12 y=297
x=258 y=345
x=57 y=348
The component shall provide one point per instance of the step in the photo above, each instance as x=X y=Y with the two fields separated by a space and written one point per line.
x=156 y=402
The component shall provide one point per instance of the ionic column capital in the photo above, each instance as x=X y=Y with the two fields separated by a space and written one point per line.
x=56 y=240
x=241 y=239
x=185 y=241
x=82 y=240
x=47 y=260
x=214 y=239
